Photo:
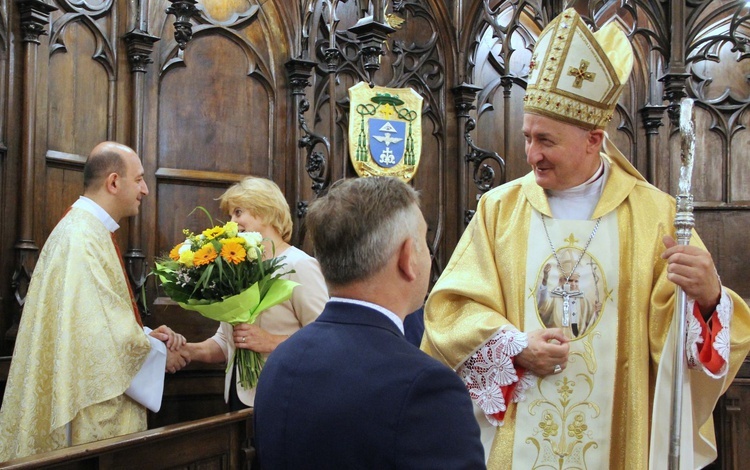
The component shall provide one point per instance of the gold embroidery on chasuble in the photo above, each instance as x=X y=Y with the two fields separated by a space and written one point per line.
x=566 y=420
x=79 y=372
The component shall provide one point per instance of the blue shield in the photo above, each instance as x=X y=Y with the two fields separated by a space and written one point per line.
x=387 y=141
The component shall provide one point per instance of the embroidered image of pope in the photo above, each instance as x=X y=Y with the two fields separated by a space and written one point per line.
x=573 y=304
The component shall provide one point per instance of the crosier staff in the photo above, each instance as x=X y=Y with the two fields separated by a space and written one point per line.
x=683 y=223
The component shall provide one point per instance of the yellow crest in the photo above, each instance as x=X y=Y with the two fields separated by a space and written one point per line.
x=385 y=131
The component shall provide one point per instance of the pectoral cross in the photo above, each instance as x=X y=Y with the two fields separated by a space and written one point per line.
x=566 y=295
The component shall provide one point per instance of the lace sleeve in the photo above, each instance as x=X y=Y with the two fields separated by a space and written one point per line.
x=707 y=348
x=491 y=377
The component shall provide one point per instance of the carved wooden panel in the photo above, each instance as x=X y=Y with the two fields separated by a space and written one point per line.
x=418 y=56
x=261 y=88
x=730 y=418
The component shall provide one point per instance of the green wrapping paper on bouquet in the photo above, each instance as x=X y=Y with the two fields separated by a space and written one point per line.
x=245 y=307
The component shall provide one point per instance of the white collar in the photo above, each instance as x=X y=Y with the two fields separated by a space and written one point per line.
x=97 y=211
x=392 y=316
x=578 y=203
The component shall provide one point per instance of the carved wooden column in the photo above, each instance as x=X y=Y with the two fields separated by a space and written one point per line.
x=299 y=72
x=333 y=58
x=464 y=95
x=676 y=76
x=483 y=173
x=140 y=45
x=652 y=116
x=34 y=16
x=183 y=11
x=371 y=32
x=506 y=81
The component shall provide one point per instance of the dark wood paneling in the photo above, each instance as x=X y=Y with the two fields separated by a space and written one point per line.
x=724 y=231
x=195 y=392
x=78 y=93
x=223 y=108
x=176 y=210
x=730 y=418
x=213 y=114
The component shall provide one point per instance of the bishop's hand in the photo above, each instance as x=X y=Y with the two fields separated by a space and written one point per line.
x=692 y=268
x=547 y=352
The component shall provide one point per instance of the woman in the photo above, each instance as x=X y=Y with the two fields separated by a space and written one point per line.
x=257 y=205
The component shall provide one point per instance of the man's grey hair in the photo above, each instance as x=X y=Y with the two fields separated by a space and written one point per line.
x=358 y=225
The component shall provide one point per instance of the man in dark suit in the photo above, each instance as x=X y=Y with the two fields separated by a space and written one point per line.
x=348 y=391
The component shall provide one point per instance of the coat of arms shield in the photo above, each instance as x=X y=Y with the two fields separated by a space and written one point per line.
x=385 y=131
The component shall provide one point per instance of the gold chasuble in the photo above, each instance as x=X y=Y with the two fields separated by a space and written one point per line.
x=78 y=347
x=598 y=412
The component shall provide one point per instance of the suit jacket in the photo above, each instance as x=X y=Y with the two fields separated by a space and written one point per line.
x=348 y=391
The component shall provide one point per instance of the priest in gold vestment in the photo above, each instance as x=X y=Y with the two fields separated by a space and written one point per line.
x=83 y=367
x=546 y=398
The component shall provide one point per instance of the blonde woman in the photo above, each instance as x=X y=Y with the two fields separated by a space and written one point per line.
x=257 y=205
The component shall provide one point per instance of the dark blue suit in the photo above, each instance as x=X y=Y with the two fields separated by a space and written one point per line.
x=348 y=392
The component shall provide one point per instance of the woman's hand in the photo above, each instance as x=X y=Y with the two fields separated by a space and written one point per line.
x=255 y=338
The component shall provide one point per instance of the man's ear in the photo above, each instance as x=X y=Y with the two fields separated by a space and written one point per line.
x=595 y=140
x=406 y=254
x=112 y=183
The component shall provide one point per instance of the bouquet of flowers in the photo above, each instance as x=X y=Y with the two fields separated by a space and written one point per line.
x=221 y=274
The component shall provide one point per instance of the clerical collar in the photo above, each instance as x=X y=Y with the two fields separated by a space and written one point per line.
x=579 y=202
x=97 y=211
x=391 y=316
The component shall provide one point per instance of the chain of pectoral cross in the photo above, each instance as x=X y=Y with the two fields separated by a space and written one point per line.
x=566 y=294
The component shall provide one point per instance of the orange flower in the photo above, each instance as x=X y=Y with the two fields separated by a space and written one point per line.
x=175 y=252
x=233 y=253
x=205 y=255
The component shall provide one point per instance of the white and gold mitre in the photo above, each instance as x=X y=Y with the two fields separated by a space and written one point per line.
x=577 y=76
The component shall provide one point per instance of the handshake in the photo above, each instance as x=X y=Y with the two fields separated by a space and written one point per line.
x=178 y=356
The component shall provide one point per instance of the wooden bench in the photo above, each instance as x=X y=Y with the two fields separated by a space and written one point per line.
x=218 y=442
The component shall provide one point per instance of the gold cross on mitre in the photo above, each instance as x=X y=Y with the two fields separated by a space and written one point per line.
x=581 y=74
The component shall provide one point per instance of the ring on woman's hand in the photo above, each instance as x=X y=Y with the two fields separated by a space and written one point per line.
x=243 y=340
x=557 y=369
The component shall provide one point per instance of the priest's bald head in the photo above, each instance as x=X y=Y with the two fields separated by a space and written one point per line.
x=113 y=178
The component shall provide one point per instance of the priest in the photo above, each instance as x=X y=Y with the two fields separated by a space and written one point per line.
x=84 y=367
x=545 y=396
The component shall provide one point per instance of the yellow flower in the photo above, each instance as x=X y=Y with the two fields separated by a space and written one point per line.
x=175 y=252
x=233 y=253
x=231 y=229
x=238 y=240
x=186 y=258
x=205 y=255
x=251 y=238
x=212 y=233
x=252 y=253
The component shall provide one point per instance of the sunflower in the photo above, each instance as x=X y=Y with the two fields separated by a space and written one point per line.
x=233 y=253
x=205 y=255
x=212 y=233
x=175 y=252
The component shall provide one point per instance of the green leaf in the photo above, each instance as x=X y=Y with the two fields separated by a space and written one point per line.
x=210 y=220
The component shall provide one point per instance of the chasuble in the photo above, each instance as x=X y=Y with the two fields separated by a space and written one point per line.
x=607 y=409
x=78 y=348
